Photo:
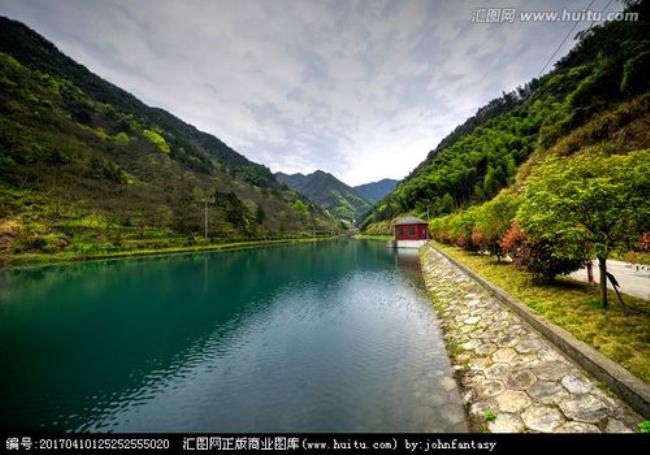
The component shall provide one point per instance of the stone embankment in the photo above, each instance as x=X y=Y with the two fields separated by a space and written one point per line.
x=511 y=378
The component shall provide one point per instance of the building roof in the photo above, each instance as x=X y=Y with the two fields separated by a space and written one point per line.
x=409 y=220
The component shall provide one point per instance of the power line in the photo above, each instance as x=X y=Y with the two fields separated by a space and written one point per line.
x=575 y=24
x=604 y=9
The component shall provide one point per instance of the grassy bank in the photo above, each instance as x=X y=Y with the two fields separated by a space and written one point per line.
x=36 y=259
x=373 y=237
x=574 y=306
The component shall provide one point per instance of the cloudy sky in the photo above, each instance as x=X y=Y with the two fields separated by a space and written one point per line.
x=362 y=89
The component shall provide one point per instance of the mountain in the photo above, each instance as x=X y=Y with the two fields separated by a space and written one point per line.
x=328 y=191
x=375 y=191
x=87 y=167
x=596 y=98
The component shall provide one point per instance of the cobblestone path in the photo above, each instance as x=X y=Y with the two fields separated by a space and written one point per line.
x=511 y=378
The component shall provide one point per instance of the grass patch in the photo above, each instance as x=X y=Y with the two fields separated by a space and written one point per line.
x=489 y=415
x=574 y=306
x=373 y=237
x=38 y=259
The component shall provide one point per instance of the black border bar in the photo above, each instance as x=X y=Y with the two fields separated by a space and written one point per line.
x=343 y=443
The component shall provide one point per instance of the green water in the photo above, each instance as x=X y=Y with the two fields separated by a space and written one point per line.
x=332 y=336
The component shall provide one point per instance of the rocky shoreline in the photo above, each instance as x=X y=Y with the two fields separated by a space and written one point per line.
x=511 y=378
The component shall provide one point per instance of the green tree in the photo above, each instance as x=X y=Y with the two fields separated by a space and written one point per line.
x=446 y=204
x=156 y=139
x=489 y=182
x=587 y=200
x=301 y=207
x=494 y=218
x=511 y=166
x=234 y=210
x=461 y=225
x=260 y=215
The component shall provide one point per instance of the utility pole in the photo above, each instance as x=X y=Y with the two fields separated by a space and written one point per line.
x=426 y=232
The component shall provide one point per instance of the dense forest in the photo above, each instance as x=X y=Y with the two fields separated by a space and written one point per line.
x=323 y=188
x=85 y=167
x=553 y=174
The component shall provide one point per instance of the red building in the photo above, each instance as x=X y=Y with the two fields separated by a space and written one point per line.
x=410 y=228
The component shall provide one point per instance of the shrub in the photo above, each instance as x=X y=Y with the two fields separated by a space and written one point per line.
x=461 y=225
x=478 y=239
x=489 y=415
x=121 y=138
x=513 y=241
x=39 y=243
x=157 y=140
x=633 y=257
x=493 y=219
x=300 y=207
x=635 y=73
x=541 y=260
x=644 y=426
x=644 y=242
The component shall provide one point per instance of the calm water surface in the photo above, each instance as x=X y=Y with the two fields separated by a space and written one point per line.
x=333 y=336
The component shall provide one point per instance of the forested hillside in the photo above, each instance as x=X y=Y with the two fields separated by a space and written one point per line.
x=328 y=191
x=86 y=167
x=555 y=174
x=605 y=76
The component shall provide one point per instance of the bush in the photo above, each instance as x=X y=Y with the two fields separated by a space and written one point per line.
x=513 y=241
x=121 y=138
x=478 y=239
x=157 y=140
x=644 y=243
x=635 y=73
x=39 y=243
x=542 y=261
x=461 y=226
x=644 y=426
x=539 y=257
x=493 y=219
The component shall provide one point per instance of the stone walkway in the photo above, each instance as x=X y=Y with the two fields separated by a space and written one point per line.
x=512 y=379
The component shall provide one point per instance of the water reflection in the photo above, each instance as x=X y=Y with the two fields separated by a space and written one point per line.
x=326 y=337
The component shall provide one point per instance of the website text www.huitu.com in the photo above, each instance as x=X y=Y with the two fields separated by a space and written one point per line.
x=509 y=15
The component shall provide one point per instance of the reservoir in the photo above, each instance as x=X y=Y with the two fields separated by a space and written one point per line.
x=332 y=336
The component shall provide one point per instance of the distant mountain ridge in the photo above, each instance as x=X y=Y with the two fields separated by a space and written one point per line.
x=328 y=191
x=375 y=191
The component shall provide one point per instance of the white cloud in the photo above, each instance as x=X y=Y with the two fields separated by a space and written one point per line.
x=362 y=89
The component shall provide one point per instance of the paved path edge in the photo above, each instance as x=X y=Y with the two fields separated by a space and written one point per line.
x=628 y=387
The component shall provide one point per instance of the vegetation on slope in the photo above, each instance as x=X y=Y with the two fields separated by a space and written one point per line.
x=328 y=191
x=187 y=144
x=608 y=66
x=86 y=168
x=573 y=150
x=572 y=206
